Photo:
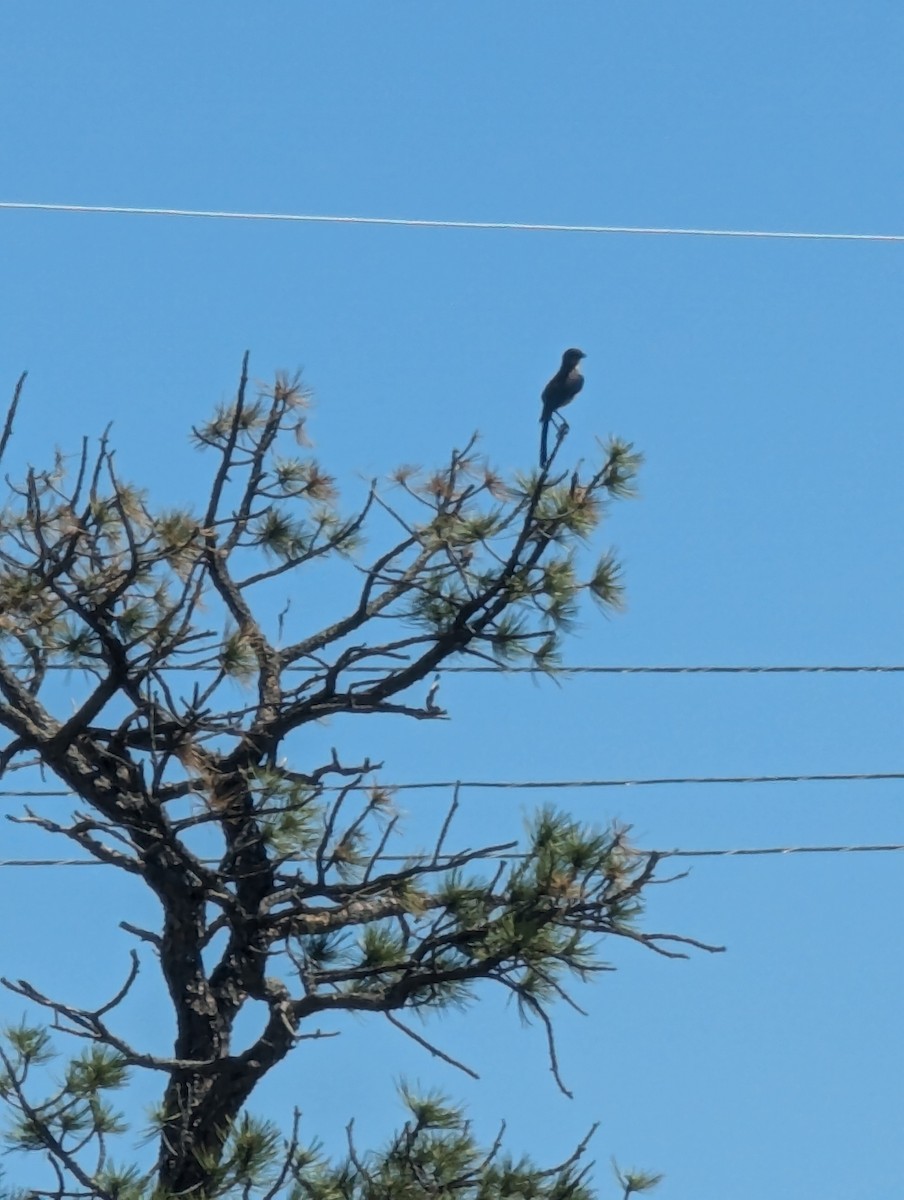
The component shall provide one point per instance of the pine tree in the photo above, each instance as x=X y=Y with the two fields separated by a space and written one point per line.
x=279 y=863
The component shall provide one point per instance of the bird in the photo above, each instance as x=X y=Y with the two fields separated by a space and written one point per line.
x=561 y=390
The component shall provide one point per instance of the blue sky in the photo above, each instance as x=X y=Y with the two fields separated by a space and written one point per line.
x=761 y=379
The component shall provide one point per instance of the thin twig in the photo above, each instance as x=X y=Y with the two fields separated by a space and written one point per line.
x=11 y=413
x=434 y=1050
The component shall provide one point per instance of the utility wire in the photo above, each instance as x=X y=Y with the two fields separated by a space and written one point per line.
x=550 y=784
x=666 y=781
x=409 y=222
x=833 y=669
x=737 y=852
x=503 y=669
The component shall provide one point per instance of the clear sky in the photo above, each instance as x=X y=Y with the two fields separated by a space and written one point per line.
x=761 y=379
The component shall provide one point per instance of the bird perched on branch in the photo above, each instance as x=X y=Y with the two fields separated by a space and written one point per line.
x=561 y=390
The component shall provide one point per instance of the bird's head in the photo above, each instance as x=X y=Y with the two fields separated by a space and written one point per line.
x=572 y=357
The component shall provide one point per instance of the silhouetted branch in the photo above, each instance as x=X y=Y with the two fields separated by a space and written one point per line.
x=427 y=1045
x=11 y=413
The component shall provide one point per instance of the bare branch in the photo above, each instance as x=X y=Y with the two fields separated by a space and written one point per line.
x=434 y=1050
x=11 y=414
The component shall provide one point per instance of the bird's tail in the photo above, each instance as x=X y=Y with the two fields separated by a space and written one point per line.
x=544 y=434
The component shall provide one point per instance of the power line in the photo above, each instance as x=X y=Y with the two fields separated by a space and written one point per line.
x=734 y=852
x=833 y=669
x=662 y=781
x=554 y=784
x=411 y=222
x=758 y=850
x=628 y=669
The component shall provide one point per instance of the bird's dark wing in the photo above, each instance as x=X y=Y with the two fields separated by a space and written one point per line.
x=560 y=391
